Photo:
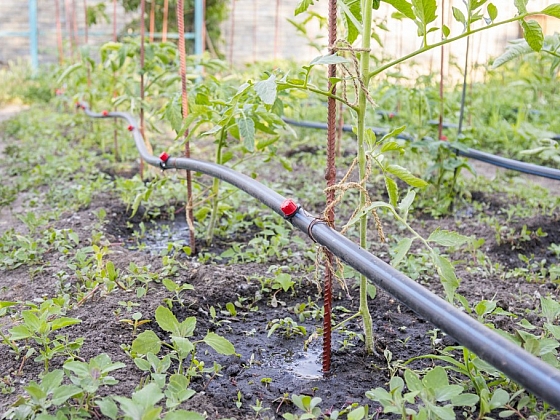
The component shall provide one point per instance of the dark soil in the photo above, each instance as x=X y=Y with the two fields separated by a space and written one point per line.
x=270 y=369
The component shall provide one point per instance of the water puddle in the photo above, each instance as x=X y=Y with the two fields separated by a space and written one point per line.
x=303 y=364
x=155 y=236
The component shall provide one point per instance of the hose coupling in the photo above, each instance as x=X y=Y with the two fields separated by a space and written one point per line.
x=289 y=208
x=164 y=157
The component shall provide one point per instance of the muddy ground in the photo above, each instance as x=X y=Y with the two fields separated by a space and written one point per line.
x=268 y=369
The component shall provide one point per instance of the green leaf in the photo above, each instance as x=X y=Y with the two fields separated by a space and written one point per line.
x=553 y=329
x=328 y=59
x=302 y=6
x=492 y=12
x=445 y=30
x=402 y=6
x=447 y=238
x=521 y=6
x=219 y=343
x=533 y=34
x=465 y=400
x=108 y=407
x=404 y=175
x=21 y=332
x=357 y=414
x=425 y=11
x=413 y=381
x=552 y=10
x=459 y=16
x=266 y=89
x=64 y=392
x=361 y=213
x=550 y=309
x=6 y=304
x=63 y=322
x=447 y=392
x=146 y=342
x=391 y=145
x=52 y=380
x=184 y=415
x=148 y=396
x=173 y=115
x=352 y=17
x=499 y=399
x=392 y=190
x=393 y=133
x=406 y=202
x=183 y=345
x=436 y=378
x=247 y=132
x=32 y=321
x=167 y=321
x=401 y=250
x=68 y=72
x=515 y=49
x=447 y=274
x=35 y=391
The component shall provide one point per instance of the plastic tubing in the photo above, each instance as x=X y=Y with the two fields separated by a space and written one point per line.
x=515 y=165
x=529 y=371
x=346 y=128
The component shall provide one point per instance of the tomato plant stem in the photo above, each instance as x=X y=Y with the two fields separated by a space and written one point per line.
x=367 y=6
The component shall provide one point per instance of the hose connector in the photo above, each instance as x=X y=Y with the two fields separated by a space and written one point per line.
x=289 y=208
x=164 y=157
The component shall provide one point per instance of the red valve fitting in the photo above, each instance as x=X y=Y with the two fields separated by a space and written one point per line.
x=130 y=128
x=105 y=113
x=289 y=207
x=164 y=157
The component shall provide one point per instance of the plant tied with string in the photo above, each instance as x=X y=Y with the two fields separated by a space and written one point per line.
x=354 y=62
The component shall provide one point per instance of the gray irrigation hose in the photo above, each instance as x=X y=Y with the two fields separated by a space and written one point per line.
x=530 y=372
x=346 y=128
x=515 y=165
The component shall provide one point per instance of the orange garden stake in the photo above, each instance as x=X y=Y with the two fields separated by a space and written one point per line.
x=330 y=176
x=142 y=35
x=58 y=32
x=165 y=15
x=152 y=20
x=185 y=106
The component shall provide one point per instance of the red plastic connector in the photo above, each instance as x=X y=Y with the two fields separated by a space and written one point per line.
x=105 y=113
x=164 y=157
x=289 y=207
x=130 y=128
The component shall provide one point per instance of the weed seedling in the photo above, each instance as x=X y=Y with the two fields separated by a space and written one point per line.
x=135 y=322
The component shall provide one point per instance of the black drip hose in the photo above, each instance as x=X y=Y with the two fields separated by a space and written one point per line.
x=346 y=128
x=530 y=372
x=515 y=165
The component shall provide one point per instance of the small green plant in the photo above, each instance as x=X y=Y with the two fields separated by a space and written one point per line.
x=181 y=348
x=177 y=290
x=287 y=327
x=43 y=397
x=39 y=324
x=135 y=321
x=309 y=405
x=429 y=392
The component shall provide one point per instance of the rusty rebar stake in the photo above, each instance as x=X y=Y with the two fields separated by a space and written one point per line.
x=330 y=176
x=142 y=40
x=185 y=111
